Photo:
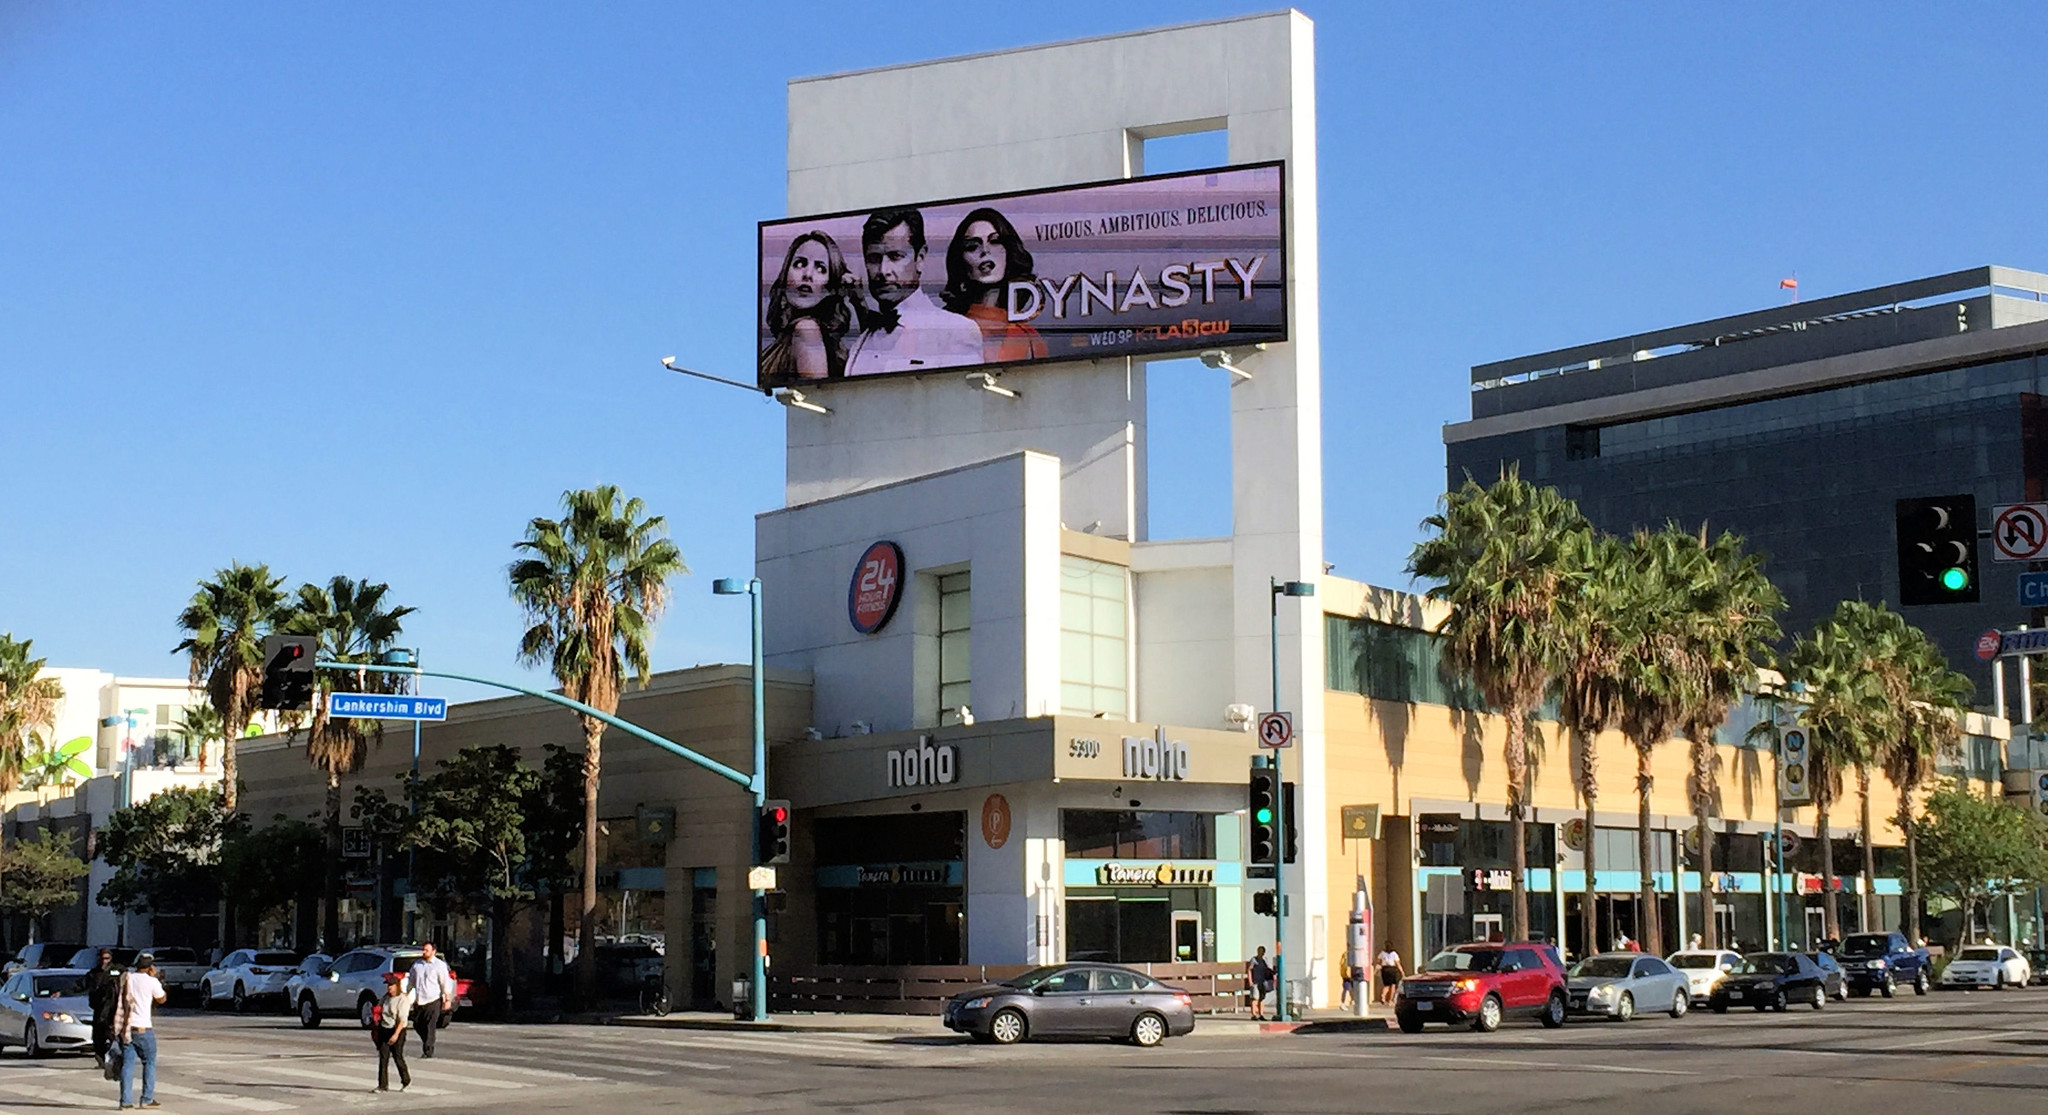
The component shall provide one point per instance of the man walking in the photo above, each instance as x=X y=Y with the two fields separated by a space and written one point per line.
x=140 y=991
x=433 y=991
x=101 y=985
x=1258 y=972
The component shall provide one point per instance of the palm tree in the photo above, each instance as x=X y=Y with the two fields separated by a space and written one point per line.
x=225 y=623
x=352 y=624
x=199 y=727
x=1589 y=691
x=1846 y=714
x=593 y=583
x=1500 y=559
x=1930 y=728
x=1651 y=690
x=1727 y=624
x=28 y=709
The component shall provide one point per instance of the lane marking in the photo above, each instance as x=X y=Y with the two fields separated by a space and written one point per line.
x=360 y=1083
x=246 y=1103
x=549 y=1074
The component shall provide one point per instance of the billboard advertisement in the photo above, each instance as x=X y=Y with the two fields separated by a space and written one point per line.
x=1132 y=267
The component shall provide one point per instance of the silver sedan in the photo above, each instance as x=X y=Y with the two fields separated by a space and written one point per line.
x=1622 y=984
x=45 y=1011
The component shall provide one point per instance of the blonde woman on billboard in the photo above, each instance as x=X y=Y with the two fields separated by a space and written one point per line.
x=809 y=313
x=986 y=254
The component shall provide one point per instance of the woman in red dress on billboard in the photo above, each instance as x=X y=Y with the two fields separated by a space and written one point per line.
x=809 y=314
x=986 y=254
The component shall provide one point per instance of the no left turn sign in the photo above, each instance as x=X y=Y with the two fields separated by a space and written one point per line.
x=1276 y=729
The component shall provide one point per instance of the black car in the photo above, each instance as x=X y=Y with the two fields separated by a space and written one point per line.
x=1834 y=981
x=1771 y=979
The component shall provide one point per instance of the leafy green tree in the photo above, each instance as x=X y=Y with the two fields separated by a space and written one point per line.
x=353 y=623
x=1499 y=557
x=1974 y=850
x=166 y=851
x=224 y=625
x=39 y=875
x=268 y=870
x=592 y=584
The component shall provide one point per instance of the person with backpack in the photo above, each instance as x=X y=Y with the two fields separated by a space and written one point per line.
x=390 y=1018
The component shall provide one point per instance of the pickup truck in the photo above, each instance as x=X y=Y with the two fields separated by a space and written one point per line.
x=181 y=969
x=1884 y=962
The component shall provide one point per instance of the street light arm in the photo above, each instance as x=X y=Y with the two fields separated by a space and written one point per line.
x=714 y=766
x=669 y=362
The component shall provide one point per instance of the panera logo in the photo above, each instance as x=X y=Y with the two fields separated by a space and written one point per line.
x=1153 y=875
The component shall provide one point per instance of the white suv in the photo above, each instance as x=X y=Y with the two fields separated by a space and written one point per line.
x=350 y=984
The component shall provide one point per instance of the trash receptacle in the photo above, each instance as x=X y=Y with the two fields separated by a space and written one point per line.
x=742 y=998
x=1297 y=997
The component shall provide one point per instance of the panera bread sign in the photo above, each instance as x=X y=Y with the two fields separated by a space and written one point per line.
x=1153 y=875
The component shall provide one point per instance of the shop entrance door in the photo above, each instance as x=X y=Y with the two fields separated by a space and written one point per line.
x=1486 y=927
x=703 y=948
x=1816 y=925
x=1187 y=936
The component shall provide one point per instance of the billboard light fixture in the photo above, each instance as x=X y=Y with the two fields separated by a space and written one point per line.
x=669 y=362
x=797 y=400
x=1221 y=358
x=987 y=381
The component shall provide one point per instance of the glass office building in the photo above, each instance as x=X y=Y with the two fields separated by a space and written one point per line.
x=1798 y=428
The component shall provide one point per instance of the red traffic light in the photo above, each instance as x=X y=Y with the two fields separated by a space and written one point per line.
x=778 y=814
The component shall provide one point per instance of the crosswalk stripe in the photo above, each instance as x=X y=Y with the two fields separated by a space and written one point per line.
x=246 y=1103
x=360 y=1081
x=629 y=1070
x=771 y=1043
x=60 y=1095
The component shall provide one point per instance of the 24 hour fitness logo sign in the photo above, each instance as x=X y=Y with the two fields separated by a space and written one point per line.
x=876 y=588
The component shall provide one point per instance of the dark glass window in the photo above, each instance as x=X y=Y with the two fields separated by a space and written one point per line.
x=1390 y=663
x=892 y=838
x=1132 y=834
x=1489 y=844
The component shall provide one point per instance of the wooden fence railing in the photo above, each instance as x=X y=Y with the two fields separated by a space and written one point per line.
x=924 y=989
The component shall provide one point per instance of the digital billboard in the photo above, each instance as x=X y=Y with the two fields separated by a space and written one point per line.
x=1131 y=267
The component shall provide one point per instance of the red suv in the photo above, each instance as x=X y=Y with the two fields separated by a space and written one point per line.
x=1484 y=983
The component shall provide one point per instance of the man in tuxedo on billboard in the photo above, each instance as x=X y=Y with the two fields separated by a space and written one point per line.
x=903 y=330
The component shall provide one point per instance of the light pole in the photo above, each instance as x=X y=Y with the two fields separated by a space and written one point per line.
x=410 y=656
x=757 y=978
x=1279 y=589
x=126 y=721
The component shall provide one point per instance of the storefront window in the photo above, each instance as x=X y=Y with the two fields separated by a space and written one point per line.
x=954 y=673
x=890 y=890
x=1487 y=844
x=1093 y=643
x=1390 y=663
x=1129 y=834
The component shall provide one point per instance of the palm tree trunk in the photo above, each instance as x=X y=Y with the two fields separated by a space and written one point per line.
x=586 y=929
x=1909 y=911
x=1702 y=805
x=330 y=892
x=1830 y=921
x=1518 y=798
x=1647 y=932
x=1589 y=791
x=1864 y=918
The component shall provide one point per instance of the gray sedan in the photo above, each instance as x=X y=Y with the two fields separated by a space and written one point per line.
x=1073 y=1000
x=44 y=1010
x=1620 y=984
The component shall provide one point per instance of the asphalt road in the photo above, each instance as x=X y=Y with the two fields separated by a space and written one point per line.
x=1953 y=1054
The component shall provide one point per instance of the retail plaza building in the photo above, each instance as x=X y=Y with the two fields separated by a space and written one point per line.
x=1014 y=727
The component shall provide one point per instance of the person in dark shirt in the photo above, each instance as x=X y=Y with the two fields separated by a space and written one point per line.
x=100 y=985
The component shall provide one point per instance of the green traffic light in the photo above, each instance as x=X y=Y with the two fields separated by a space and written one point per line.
x=1265 y=816
x=1955 y=579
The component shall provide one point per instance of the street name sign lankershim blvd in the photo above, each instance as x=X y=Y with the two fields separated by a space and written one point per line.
x=387 y=706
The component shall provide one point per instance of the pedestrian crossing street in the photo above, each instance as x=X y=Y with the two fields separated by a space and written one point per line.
x=206 y=1068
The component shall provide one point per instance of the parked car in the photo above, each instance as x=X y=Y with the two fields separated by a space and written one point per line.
x=1770 y=979
x=1994 y=966
x=86 y=959
x=2037 y=963
x=45 y=1010
x=623 y=966
x=1884 y=962
x=1618 y=984
x=1482 y=984
x=1073 y=1000
x=351 y=983
x=179 y=968
x=1703 y=969
x=42 y=954
x=1834 y=982
x=247 y=976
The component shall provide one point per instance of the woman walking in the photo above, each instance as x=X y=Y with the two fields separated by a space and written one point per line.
x=1390 y=974
x=387 y=1029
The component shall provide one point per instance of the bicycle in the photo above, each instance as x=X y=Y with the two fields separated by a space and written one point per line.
x=654 y=994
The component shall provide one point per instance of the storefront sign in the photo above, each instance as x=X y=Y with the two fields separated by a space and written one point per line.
x=1575 y=834
x=995 y=821
x=1483 y=879
x=930 y=873
x=923 y=765
x=877 y=586
x=1153 y=875
x=1438 y=827
x=1157 y=758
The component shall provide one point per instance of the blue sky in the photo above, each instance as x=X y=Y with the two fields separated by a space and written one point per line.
x=360 y=288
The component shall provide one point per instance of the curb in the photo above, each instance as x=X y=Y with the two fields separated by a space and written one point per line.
x=770 y=1027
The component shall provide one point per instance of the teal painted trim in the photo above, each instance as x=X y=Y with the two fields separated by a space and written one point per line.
x=1081 y=872
x=746 y=781
x=643 y=878
x=1229 y=836
x=1893 y=887
x=704 y=878
x=1229 y=925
